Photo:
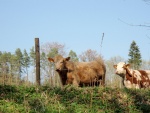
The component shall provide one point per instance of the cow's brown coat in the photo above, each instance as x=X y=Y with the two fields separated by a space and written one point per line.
x=80 y=73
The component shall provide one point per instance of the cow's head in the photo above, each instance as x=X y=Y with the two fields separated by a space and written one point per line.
x=59 y=62
x=121 y=68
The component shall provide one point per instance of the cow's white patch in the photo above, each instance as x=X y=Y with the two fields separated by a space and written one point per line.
x=127 y=84
x=148 y=73
x=137 y=75
x=136 y=86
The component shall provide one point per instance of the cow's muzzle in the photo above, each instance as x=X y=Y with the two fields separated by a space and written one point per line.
x=58 y=70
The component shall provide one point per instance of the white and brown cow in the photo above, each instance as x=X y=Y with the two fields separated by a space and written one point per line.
x=133 y=78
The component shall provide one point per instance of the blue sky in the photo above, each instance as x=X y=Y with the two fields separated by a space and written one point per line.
x=78 y=24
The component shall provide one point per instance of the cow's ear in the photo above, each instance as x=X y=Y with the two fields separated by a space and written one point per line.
x=127 y=65
x=51 y=59
x=115 y=66
x=67 y=59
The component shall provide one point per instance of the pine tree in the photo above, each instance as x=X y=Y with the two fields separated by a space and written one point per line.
x=26 y=62
x=4 y=66
x=32 y=56
x=135 y=56
x=19 y=58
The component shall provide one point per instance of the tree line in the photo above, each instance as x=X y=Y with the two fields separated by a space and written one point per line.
x=16 y=68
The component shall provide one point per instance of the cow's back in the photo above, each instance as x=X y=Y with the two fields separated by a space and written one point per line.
x=148 y=73
x=85 y=72
x=91 y=71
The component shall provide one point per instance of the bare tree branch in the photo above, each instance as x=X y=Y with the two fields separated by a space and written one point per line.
x=140 y=25
x=146 y=0
x=147 y=36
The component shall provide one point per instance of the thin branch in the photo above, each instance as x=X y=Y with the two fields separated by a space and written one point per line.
x=147 y=36
x=140 y=25
x=146 y=0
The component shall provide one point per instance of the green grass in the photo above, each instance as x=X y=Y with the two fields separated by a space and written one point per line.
x=21 y=99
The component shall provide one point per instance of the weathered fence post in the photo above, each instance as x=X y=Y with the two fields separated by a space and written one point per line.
x=37 y=52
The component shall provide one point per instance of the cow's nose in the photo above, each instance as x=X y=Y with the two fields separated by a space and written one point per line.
x=57 y=69
x=116 y=72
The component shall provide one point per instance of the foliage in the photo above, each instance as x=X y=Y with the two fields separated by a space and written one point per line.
x=32 y=56
x=4 y=59
x=53 y=52
x=73 y=56
x=19 y=60
x=135 y=56
x=72 y=99
x=26 y=61
x=13 y=66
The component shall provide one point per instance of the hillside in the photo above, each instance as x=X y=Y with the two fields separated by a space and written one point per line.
x=21 y=99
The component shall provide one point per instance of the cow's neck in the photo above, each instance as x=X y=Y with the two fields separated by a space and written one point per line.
x=63 y=76
x=128 y=73
x=69 y=66
x=122 y=81
x=126 y=78
x=130 y=81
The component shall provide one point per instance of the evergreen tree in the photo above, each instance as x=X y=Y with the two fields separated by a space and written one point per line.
x=13 y=66
x=1 y=53
x=26 y=62
x=19 y=58
x=135 y=56
x=4 y=65
x=32 y=56
x=43 y=60
x=73 y=56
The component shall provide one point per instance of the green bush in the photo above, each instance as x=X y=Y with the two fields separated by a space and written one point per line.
x=69 y=99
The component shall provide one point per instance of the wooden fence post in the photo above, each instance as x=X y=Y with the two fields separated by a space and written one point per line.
x=37 y=52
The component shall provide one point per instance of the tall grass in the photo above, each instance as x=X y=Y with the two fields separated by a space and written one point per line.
x=69 y=99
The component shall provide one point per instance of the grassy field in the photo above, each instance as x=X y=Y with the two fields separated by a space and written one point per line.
x=22 y=99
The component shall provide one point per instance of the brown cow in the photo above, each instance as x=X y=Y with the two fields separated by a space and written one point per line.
x=79 y=73
x=133 y=78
